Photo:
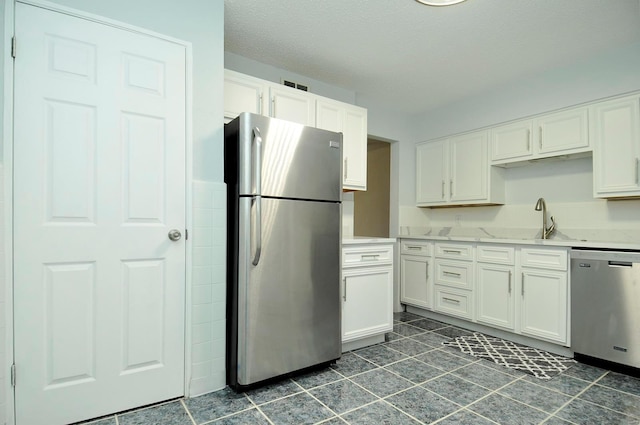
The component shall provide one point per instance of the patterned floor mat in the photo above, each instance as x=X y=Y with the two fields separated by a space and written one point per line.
x=538 y=363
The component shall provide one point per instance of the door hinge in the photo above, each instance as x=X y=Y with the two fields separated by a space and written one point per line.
x=13 y=47
x=13 y=375
x=186 y=234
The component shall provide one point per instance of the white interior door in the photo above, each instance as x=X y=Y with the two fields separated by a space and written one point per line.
x=99 y=181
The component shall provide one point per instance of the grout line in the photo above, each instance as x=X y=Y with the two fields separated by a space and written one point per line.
x=184 y=406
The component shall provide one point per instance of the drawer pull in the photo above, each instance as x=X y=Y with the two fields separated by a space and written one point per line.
x=452 y=251
x=413 y=248
x=371 y=257
x=451 y=300
x=446 y=273
x=509 y=281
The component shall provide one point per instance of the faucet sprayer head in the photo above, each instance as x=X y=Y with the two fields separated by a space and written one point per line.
x=540 y=204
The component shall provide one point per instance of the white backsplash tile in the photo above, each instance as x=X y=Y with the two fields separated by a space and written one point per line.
x=209 y=288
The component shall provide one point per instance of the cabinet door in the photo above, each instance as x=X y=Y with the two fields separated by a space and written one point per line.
x=293 y=105
x=616 y=150
x=416 y=285
x=367 y=302
x=351 y=121
x=543 y=306
x=469 y=167
x=354 y=149
x=241 y=94
x=329 y=115
x=432 y=161
x=495 y=300
x=564 y=132
x=511 y=142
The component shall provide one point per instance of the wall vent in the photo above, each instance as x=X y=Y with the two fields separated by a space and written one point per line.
x=295 y=85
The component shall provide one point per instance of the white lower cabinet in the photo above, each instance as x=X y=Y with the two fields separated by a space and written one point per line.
x=543 y=309
x=416 y=273
x=515 y=288
x=366 y=300
x=495 y=300
x=454 y=279
x=494 y=293
x=367 y=292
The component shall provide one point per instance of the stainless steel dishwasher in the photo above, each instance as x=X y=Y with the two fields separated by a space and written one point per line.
x=605 y=305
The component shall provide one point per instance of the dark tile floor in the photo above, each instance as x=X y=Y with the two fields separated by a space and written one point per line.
x=412 y=379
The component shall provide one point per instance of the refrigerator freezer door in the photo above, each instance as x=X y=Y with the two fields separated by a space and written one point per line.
x=289 y=303
x=294 y=161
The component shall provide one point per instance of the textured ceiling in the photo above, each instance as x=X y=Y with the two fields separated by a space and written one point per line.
x=414 y=57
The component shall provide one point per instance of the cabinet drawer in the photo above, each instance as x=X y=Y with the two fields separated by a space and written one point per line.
x=367 y=255
x=457 y=274
x=496 y=254
x=415 y=247
x=555 y=259
x=455 y=303
x=457 y=251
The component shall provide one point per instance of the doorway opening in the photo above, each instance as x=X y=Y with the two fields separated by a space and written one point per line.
x=371 y=208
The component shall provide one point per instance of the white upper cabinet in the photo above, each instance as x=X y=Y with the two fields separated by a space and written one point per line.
x=616 y=151
x=563 y=133
x=512 y=141
x=292 y=105
x=242 y=94
x=469 y=167
x=560 y=133
x=432 y=169
x=455 y=171
x=351 y=121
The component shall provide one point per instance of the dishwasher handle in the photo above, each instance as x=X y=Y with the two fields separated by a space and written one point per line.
x=613 y=263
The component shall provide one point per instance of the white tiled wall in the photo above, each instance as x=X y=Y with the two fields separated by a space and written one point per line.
x=208 y=291
x=3 y=308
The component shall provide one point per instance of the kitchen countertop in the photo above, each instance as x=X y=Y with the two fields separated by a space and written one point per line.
x=579 y=238
x=366 y=239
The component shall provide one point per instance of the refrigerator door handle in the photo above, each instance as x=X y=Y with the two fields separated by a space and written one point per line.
x=257 y=199
x=257 y=161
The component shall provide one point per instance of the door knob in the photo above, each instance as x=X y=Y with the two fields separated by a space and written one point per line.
x=175 y=235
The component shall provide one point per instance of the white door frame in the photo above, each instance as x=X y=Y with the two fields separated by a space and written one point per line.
x=7 y=171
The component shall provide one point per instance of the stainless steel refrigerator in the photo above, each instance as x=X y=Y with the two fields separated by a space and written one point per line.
x=284 y=192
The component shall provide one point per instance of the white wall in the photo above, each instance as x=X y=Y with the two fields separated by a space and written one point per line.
x=270 y=73
x=563 y=184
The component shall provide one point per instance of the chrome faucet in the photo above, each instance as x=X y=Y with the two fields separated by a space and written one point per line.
x=542 y=206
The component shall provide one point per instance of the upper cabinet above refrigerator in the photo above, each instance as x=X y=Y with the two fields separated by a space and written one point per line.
x=243 y=93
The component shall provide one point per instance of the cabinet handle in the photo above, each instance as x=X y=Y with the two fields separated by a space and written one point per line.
x=540 y=137
x=260 y=104
x=452 y=251
x=412 y=248
x=426 y=272
x=373 y=257
x=528 y=139
x=273 y=106
x=451 y=273
x=509 y=281
x=451 y=187
x=522 y=287
x=451 y=300
x=346 y=167
x=442 y=189
x=344 y=292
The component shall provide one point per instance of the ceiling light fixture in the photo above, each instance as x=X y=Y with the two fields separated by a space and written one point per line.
x=439 y=2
